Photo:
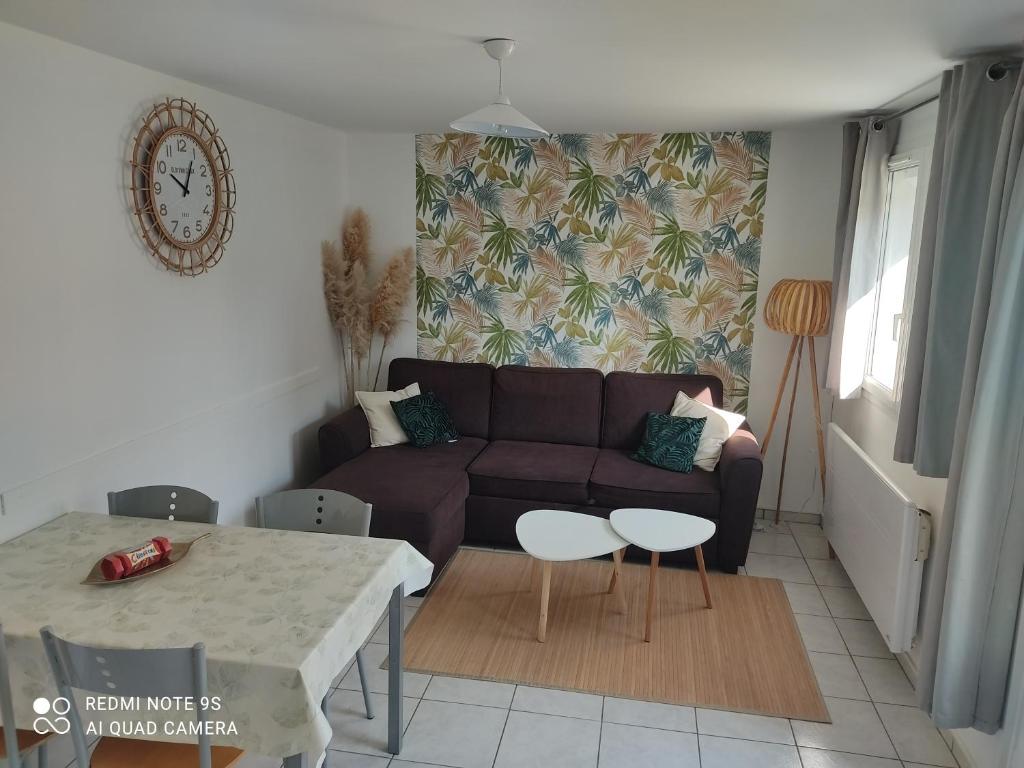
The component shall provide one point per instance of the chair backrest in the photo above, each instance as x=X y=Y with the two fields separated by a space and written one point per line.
x=314 y=510
x=7 y=708
x=163 y=502
x=129 y=673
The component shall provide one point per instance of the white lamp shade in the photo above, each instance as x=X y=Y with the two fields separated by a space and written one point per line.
x=500 y=119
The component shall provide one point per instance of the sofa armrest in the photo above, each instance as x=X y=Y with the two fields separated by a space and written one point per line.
x=343 y=438
x=739 y=471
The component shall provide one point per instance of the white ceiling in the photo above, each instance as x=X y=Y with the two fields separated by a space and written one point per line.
x=582 y=65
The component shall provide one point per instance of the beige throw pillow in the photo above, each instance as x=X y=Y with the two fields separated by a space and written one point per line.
x=719 y=427
x=384 y=426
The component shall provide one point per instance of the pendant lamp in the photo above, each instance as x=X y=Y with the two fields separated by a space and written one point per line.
x=500 y=118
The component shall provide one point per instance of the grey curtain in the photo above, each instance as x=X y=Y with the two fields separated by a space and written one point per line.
x=963 y=409
x=867 y=145
x=967 y=138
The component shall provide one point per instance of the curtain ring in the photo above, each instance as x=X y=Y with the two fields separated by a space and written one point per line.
x=996 y=72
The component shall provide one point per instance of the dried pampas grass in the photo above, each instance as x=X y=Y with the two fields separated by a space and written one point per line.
x=355 y=238
x=391 y=296
x=358 y=311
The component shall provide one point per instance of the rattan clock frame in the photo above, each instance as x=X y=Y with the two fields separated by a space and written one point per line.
x=182 y=117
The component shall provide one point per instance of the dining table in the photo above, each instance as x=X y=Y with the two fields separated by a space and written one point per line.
x=281 y=614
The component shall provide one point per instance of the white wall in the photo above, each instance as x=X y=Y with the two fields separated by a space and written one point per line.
x=799 y=239
x=381 y=181
x=114 y=372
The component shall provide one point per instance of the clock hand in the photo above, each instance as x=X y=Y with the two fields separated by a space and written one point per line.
x=188 y=177
x=184 y=189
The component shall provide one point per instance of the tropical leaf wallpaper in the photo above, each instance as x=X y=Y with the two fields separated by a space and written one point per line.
x=633 y=252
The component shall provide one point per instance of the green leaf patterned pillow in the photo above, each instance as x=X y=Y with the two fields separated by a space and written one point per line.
x=425 y=420
x=670 y=442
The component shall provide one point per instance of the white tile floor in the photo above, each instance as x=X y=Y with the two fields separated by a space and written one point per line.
x=478 y=724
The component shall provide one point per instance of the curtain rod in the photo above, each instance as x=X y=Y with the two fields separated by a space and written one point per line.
x=996 y=71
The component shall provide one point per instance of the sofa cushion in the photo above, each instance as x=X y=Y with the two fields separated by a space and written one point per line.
x=415 y=492
x=425 y=420
x=464 y=388
x=670 y=442
x=547 y=405
x=618 y=481
x=628 y=397
x=529 y=470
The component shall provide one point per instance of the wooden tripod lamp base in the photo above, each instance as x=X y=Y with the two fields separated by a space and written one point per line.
x=801 y=308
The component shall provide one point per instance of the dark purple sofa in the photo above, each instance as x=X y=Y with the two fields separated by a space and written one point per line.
x=556 y=438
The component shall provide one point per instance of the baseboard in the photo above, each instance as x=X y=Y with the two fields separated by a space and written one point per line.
x=810 y=518
x=962 y=756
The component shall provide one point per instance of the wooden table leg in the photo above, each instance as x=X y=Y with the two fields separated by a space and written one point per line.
x=652 y=582
x=616 y=583
x=703 y=575
x=545 y=591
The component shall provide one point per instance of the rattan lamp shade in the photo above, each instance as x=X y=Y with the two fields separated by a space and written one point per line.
x=799 y=307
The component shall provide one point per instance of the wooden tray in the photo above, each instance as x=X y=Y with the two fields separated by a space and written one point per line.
x=178 y=551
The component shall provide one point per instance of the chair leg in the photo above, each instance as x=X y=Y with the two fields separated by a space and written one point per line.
x=365 y=685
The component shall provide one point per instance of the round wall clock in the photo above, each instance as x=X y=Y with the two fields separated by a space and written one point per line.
x=183 y=192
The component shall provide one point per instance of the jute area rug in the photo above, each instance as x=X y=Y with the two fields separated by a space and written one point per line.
x=746 y=654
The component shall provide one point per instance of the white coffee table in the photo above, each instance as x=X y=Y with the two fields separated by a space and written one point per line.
x=555 y=535
x=659 y=530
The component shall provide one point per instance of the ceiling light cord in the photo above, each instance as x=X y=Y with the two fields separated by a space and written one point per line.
x=500 y=92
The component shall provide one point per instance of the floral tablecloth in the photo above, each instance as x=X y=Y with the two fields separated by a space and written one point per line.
x=281 y=614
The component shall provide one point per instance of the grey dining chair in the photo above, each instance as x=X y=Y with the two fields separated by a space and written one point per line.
x=16 y=745
x=136 y=673
x=163 y=502
x=314 y=510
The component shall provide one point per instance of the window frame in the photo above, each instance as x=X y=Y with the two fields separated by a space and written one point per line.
x=872 y=387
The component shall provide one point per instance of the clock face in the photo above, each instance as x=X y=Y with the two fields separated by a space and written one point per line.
x=183 y=188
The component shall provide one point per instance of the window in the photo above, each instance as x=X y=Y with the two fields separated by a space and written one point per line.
x=890 y=317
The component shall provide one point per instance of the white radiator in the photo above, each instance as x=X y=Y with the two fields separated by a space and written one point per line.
x=879 y=535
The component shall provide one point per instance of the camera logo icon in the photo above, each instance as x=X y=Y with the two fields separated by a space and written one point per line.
x=57 y=708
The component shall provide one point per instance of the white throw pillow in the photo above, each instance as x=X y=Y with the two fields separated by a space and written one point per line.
x=719 y=427
x=384 y=426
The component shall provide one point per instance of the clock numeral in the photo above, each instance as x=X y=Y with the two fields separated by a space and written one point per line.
x=187 y=233
x=167 y=150
x=163 y=209
x=182 y=146
x=209 y=191
x=199 y=225
x=202 y=171
x=157 y=187
x=161 y=167
x=174 y=225
x=206 y=209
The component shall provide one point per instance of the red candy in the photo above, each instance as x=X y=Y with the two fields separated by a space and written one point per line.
x=125 y=562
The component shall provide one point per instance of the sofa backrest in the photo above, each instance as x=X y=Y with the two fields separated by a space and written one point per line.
x=629 y=397
x=547 y=405
x=465 y=388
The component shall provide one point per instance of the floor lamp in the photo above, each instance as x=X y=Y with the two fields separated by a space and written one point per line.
x=802 y=309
